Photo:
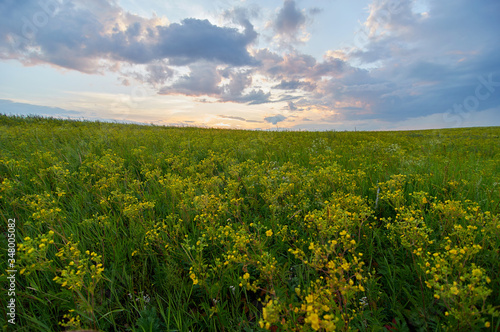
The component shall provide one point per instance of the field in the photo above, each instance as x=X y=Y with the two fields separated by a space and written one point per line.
x=146 y=228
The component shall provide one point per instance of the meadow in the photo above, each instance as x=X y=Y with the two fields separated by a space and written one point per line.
x=147 y=228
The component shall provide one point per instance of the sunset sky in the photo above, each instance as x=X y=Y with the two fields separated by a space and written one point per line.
x=254 y=64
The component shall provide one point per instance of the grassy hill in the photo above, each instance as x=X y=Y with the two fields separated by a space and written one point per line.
x=146 y=228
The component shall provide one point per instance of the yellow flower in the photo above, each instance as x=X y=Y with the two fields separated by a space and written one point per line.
x=487 y=324
x=246 y=276
x=314 y=319
x=269 y=233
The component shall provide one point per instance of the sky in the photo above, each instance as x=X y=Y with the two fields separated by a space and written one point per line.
x=254 y=64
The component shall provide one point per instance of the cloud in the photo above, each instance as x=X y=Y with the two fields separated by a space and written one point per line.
x=298 y=68
x=410 y=62
x=254 y=97
x=232 y=117
x=295 y=85
x=202 y=80
x=275 y=119
x=403 y=69
x=290 y=23
x=205 y=79
x=291 y=106
x=241 y=16
x=409 y=66
x=14 y=108
x=194 y=40
x=421 y=67
x=156 y=73
x=289 y=19
x=315 y=11
x=92 y=36
x=10 y=107
x=238 y=118
x=239 y=80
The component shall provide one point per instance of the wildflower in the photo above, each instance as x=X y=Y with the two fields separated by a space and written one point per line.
x=269 y=233
x=314 y=319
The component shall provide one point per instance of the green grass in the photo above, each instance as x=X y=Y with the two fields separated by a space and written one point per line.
x=230 y=230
